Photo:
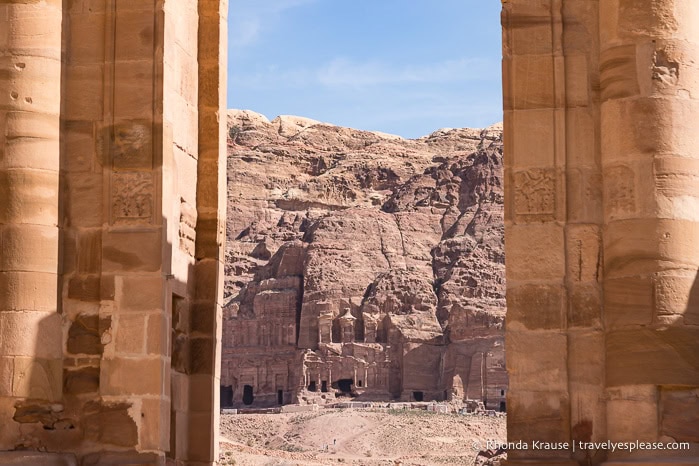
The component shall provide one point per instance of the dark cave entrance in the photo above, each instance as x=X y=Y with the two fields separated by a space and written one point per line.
x=226 y=396
x=345 y=386
x=280 y=397
x=324 y=386
x=418 y=396
x=312 y=386
x=248 y=397
x=503 y=406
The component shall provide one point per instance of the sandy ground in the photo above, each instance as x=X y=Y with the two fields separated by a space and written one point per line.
x=356 y=437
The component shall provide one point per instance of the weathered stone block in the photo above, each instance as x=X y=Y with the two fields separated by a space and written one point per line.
x=139 y=43
x=663 y=356
x=34 y=125
x=632 y=413
x=665 y=128
x=532 y=136
x=87 y=35
x=206 y=274
x=83 y=195
x=184 y=125
x=29 y=248
x=35 y=140
x=158 y=334
x=110 y=423
x=80 y=381
x=85 y=85
x=200 y=392
x=628 y=301
x=203 y=317
x=36 y=334
x=208 y=241
x=155 y=423
x=201 y=355
x=31 y=93
x=584 y=195
x=537 y=359
x=643 y=18
x=586 y=358
x=536 y=306
x=89 y=244
x=7 y=366
x=577 y=85
x=20 y=291
x=134 y=88
x=121 y=376
x=38 y=379
x=672 y=292
x=85 y=333
x=585 y=305
x=29 y=196
x=180 y=391
x=528 y=35
x=130 y=333
x=135 y=250
x=80 y=146
x=584 y=255
x=523 y=94
x=85 y=288
x=535 y=252
x=540 y=415
x=107 y=287
x=141 y=293
x=200 y=436
x=634 y=247
x=679 y=413
x=180 y=425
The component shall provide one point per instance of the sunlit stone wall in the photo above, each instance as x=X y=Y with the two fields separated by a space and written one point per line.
x=601 y=232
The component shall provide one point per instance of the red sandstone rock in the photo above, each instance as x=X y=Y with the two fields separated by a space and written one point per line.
x=362 y=264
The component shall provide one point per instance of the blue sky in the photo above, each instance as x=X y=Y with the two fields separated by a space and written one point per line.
x=405 y=67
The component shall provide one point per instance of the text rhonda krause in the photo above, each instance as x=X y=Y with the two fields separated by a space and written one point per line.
x=579 y=445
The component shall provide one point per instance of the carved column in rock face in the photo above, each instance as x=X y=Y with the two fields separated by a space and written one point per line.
x=649 y=111
x=30 y=90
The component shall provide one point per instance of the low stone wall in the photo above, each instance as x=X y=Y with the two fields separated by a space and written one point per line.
x=299 y=408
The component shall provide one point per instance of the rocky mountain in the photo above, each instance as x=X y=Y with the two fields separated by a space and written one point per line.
x=362 y=264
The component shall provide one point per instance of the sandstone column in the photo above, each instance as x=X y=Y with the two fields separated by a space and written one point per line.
x=30 y=90
x=205 y=379
x=649 y=53
x=535 y=213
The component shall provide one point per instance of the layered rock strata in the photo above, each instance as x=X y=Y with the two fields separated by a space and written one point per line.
x=362 y=264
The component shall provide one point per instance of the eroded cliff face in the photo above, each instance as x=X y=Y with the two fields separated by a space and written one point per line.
x=362 y=264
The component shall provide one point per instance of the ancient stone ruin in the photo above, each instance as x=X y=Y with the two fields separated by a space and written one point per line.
x=362 y=265
x=112 y=233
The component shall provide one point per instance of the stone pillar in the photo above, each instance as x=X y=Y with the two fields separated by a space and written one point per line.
x=325 y=327
x=207 y=270
x=534 y=102
x=30 y=104
x=649 y=55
